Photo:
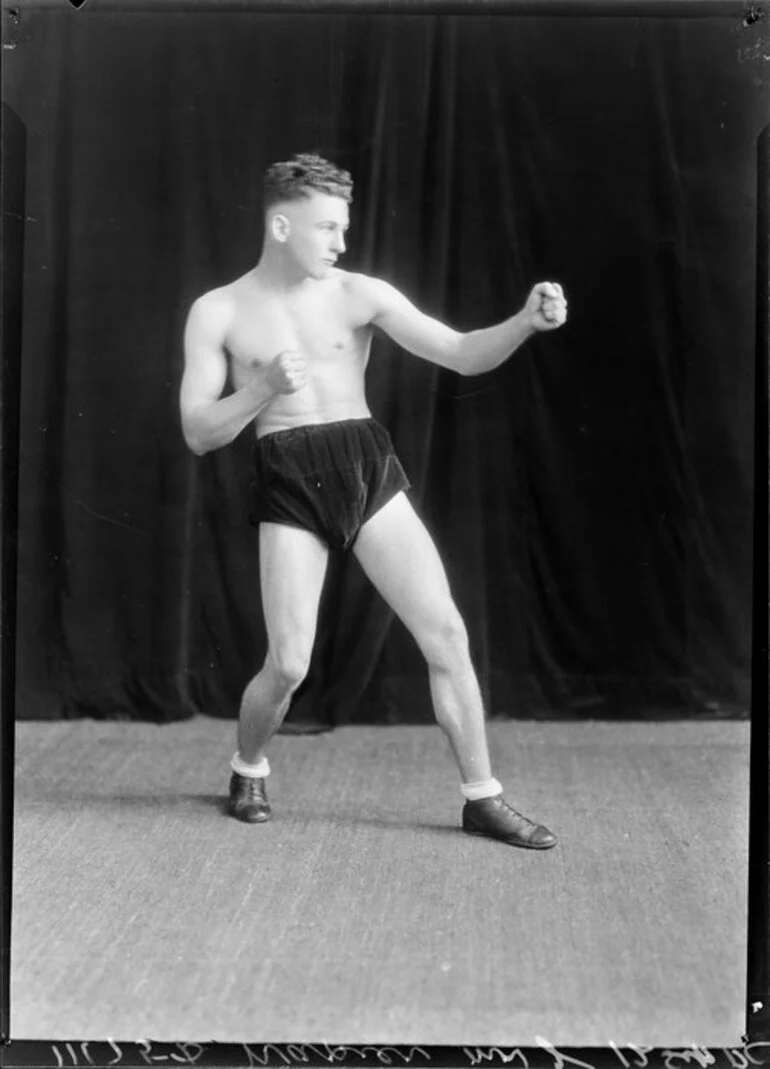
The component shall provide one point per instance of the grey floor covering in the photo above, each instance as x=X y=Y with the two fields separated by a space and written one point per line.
x=362 y=914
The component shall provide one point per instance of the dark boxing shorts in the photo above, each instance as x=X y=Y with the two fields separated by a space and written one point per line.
x=328 y=478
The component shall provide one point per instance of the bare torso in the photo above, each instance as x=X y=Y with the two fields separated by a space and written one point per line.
x=327 y=322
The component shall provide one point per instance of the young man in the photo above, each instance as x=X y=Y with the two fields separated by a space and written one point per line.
x=297 y=332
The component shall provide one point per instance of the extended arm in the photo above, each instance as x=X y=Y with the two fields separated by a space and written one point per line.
x=471 y=352
x=210 y=421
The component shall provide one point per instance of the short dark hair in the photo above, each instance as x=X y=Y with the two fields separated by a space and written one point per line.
x=302 y=175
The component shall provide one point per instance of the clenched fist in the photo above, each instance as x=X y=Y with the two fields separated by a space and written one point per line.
x=287 y=373
x=546 y=306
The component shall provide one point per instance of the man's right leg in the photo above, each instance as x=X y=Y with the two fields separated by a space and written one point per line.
x=292 y=568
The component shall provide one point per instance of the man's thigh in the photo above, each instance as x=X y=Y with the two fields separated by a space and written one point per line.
x=292 y=565
x=399 y=555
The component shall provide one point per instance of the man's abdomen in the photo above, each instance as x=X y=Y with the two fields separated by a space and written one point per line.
x=331 y=394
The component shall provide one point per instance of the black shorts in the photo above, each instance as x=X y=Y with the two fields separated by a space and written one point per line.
x=328 y=478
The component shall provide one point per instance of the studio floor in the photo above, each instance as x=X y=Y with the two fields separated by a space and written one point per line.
x=362 y=914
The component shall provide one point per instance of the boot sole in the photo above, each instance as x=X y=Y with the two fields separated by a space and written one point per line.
x=509 y=841
x=262 y=818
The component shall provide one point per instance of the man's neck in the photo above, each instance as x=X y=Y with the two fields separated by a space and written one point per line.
x=274 y=273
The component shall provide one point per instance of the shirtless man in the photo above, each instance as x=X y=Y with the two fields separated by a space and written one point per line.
x=297 y=332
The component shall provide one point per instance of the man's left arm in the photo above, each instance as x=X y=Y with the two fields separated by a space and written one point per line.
x=471 y=352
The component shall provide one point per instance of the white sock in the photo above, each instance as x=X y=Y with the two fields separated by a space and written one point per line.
x=258 y=771
x=483 y=788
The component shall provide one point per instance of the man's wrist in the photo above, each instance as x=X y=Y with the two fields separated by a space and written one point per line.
x=258 y=387
x=525 y=324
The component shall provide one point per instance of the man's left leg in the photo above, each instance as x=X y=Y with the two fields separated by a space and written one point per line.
x=399 y=556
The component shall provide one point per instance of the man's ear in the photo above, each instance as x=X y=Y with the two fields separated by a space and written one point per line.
x=279 y=227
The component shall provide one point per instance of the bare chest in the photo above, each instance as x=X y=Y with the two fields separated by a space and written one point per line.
x=321 y=328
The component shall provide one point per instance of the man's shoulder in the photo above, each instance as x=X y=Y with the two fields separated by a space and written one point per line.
x=365 y=287
x=358 y=279
x=216 y=306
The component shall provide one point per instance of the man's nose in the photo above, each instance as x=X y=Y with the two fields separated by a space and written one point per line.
x=338 y=243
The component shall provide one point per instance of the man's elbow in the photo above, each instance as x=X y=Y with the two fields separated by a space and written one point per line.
x=193 y=439
x=471 y=368
x=465 y=364
x=195 y=445
x=469 y=359
x=455 y=356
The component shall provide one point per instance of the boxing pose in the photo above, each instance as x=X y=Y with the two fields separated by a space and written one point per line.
x=296 y=331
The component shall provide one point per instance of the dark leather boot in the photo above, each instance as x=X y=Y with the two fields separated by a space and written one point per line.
x=248 y=799
x=493 y=817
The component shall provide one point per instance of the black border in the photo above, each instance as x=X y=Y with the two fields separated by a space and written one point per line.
x=13 y=200
x=749 y=12
x=758 y=965
x=74 y=1054
x=61 y=1054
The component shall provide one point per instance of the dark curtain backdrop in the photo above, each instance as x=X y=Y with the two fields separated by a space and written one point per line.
x=592 y=498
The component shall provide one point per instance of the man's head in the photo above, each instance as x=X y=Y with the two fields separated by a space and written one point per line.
x=303 y=175
x=306 y=203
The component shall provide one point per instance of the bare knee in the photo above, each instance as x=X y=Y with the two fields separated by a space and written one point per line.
x=288 y=663
x=445 y=642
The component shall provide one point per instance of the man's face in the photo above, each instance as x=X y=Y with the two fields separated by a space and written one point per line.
x=316 y=232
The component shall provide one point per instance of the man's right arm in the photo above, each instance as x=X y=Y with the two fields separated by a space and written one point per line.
x=210 y=421
x=470 y=352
